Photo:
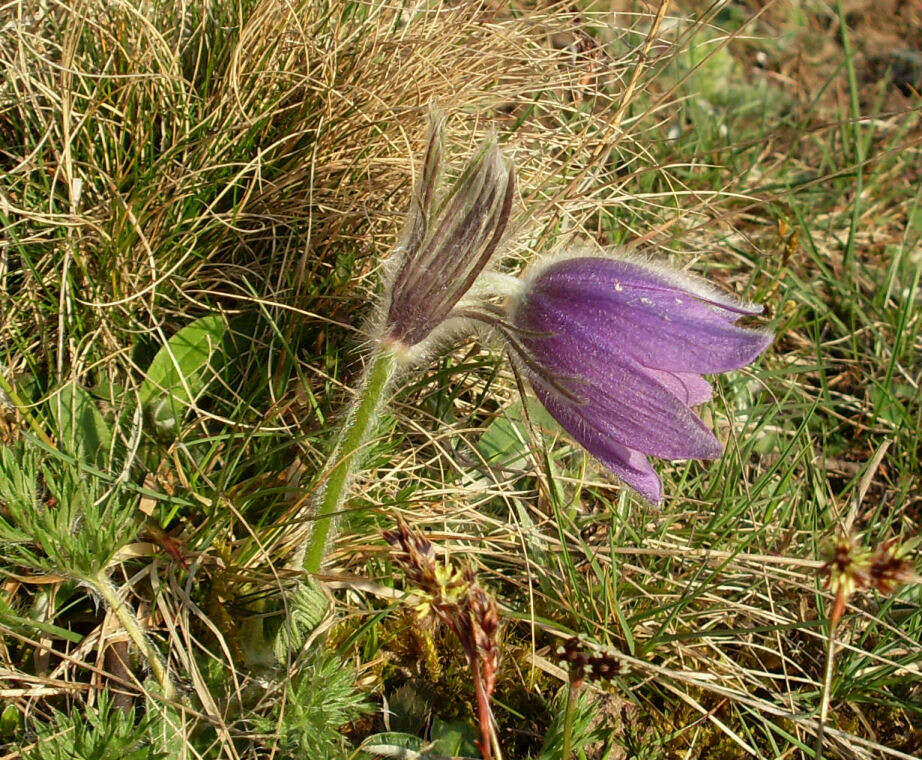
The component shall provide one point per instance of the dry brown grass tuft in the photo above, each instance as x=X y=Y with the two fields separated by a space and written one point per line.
x=160 y=160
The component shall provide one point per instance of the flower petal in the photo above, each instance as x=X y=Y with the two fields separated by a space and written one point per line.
x=639 y=312
x=420 y=212
x=629 y=465
x=689 y=388
x=615 y=350
x=619 y=397
x=652 y=278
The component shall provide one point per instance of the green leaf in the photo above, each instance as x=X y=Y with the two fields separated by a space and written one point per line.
x=181 y=371
x=319 y=699
x=585 y=727
x=409 y=710
x=9 y=722
x=10 y=619
x=306 y=608
x=454 y=738
x=915 y=219
x=82 y=429
x=394 y=744
x=505 y=441
x=101 y=732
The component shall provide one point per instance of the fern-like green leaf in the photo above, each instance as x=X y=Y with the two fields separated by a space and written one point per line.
x=318 y=702
x=103 y=732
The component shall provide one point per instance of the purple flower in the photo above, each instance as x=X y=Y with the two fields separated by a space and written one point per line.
x=445 y=245
x=616 y=350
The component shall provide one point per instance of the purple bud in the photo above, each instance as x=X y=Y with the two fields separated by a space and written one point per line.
x=615 y=350
x=446 y=245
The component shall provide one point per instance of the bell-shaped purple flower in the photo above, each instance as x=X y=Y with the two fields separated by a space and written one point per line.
x=446 y=243
x=616 y=350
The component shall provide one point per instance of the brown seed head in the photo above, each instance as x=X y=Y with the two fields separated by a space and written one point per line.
x=852 y=567
x=847 y=567
x=889 y=567
x=584 y=663
x=414 y=553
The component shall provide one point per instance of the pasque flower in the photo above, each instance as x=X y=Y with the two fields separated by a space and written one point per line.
x=615 y=350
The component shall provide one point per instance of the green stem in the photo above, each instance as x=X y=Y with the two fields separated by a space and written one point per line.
x=347 y=454
x=572 y=691
x=827 y=688
x=126 y=617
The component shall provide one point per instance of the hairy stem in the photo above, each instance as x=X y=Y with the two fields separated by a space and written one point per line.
x=103 y=586
x=347 y=453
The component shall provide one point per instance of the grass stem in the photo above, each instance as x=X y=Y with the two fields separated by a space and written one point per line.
x=346 y=455
x=834 y=618
x=855 y=133
x=572 y=692
x=7 y=387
